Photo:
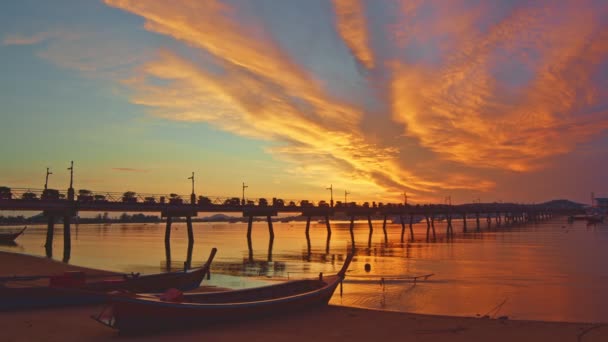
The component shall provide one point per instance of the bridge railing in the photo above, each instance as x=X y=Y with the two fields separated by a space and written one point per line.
x=89 y=197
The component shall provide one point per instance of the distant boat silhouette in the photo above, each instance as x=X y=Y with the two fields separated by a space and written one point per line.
x=10 y=237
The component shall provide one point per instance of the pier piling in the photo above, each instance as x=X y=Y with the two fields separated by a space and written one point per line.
x=190 y=233
x=50 y=231
x=411 y=227
x=168 y=230
x=402 y=227
x=352 y=227
x=67 y=239
x=371 y=231
x=270 y=228
x=384 y=230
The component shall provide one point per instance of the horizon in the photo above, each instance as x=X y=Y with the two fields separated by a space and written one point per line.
x=503 y=103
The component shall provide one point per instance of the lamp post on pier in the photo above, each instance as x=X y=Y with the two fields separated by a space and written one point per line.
x=404 y=198
x=331 y=191
x=46 y=181
x=346 y=193
x=244 y=187
x=71 y=189
x=192 y=195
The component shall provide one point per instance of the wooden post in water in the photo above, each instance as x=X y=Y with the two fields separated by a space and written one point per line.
x=168 y=230
x=428 y=227
x=168 y=241
x=50 y=231
x=477 y=219
x=188 y=262
x=327 y=224
x=249 y=224
x=433 y=225
x=384 y=230
x=489 y=219
x=307 y=227
x=411 y=227
x=270 y=244
x=352 y=233
x=67 y=239
x=190 y=233
x=402 y=227
x=270 y=228
x=371 y=231
x=464 y=222
x=449 y=227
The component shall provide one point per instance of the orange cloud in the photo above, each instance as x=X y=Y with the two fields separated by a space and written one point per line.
x=465 y=114
x=262 y=93
x=352 y=27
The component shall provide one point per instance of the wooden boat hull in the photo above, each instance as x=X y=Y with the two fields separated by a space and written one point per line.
x=66 y=294
x=149 y=313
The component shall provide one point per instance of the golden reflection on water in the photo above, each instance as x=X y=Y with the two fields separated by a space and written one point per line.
x=546 y=271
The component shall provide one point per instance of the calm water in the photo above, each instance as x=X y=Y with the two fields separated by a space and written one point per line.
x=546 y=271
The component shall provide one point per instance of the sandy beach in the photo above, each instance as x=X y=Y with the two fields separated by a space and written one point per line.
x=332 y=323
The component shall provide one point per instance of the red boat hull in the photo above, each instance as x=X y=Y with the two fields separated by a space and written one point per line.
x=66 y=290
x=149 y=313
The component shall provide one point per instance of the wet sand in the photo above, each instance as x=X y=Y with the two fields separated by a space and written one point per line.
x=332 y=323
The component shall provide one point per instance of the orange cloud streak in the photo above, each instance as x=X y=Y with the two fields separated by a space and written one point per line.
x=352 y=27
x=462 y=113
x=261 y=93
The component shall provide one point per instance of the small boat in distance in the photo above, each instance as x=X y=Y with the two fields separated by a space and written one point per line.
x=6 y=237
x=145 y=313
x=72 y=288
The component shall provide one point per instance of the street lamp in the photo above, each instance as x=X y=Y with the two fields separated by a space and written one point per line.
x=71 y=188
x=331 y=190
x=346 y=193
x=244 y=187
x=192 y=195
x=46 y=181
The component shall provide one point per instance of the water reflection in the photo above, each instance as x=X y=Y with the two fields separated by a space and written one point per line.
x=547 y=270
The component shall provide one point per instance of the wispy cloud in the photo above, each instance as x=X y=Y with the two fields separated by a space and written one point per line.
x=472 y=86
x=352 y=26
x=17 y=39
x=35 y=38
x=261 y=93
x=463 y=112
x=129 y=169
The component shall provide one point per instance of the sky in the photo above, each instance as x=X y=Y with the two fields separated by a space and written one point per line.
x=471 y=100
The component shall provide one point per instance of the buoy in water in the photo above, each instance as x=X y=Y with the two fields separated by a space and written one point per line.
x=368 y=267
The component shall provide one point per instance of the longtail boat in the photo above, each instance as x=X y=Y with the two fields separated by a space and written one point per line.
x=73 y=288
x=144 y=313
x=10 y=237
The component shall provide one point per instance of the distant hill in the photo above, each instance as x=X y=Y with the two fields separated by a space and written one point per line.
x=564 y=204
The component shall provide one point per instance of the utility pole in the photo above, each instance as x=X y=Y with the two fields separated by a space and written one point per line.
x=346 y=193
x=404 y=198
x=331 y=191
x=244 y=187
x=71 y=188
x=46 y=182
x=192 y=195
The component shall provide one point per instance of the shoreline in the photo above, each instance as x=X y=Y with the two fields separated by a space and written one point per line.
x=331 y=323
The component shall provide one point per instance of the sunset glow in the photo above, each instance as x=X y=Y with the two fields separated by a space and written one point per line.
x=503 y=101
